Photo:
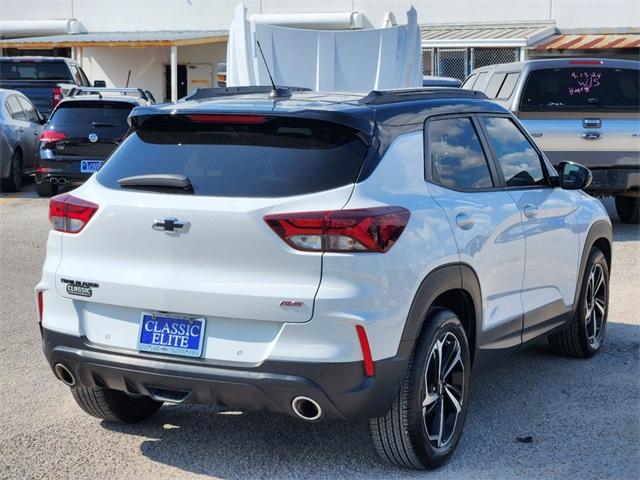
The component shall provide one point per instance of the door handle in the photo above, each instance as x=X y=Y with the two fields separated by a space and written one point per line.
x=529 y=211
x=591 y=135
x=464 y=221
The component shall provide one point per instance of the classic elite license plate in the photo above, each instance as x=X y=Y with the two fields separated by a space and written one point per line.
x=90 y=166
x=171 y=334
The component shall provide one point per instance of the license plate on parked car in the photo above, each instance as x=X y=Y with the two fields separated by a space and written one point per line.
x=173 y=335
x=90 y=166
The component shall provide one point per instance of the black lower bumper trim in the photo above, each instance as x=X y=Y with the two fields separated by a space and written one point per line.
x=341 y=389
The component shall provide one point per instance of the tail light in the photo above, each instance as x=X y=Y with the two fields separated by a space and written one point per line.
x=360 y=230
x=70 y=214
x=49 y=136
x=57 y=96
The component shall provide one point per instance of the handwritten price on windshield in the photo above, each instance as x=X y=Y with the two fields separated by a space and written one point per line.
x=586 y=82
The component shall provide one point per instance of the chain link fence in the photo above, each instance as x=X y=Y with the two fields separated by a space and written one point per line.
x=483 y=57
x=459 y=62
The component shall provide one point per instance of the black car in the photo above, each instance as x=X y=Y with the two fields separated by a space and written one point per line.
x=82 y=132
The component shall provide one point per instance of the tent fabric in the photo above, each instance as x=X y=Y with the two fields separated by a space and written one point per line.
x=325 y=60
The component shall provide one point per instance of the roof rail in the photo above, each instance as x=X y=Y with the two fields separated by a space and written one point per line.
x=380 y=97
x=139 y=92
x=202 y=93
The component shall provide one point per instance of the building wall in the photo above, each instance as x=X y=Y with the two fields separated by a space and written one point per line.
x=146 y=64
x=131 y=15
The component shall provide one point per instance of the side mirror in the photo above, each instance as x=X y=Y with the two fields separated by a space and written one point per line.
x=573 y=176
x=99 y=83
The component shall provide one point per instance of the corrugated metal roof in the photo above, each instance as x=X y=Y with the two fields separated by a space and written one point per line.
x=486 y=34
x=120 y=38
x=596 y=41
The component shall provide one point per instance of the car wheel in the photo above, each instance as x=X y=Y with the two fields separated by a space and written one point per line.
x=584 y=335
x=13 y=182
x=628 y=209
x=425 y=421
x=113 y=405
x=46 y=189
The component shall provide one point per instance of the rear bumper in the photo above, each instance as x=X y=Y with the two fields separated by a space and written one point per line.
x=615 y=180
x=67 y=169
x=341 y=389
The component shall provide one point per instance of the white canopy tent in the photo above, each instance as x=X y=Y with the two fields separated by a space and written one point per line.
x=350 y=59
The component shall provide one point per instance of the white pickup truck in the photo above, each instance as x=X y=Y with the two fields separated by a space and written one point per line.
x=584 y=110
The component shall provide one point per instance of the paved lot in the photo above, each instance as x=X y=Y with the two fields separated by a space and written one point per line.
x=583 y=415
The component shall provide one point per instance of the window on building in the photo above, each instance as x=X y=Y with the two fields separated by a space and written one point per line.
x=457 y=158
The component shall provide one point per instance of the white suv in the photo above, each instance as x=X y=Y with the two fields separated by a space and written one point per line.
x=322 y=255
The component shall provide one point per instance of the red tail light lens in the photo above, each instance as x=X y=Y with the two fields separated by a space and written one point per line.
x=49 y=136
x=70 y=214
x=40 y=306
x=360 y=230
x=57 y=96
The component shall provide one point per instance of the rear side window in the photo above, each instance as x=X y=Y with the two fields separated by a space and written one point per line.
x=518 y=160
x=508 y=86
x=582 y=88
x=29 y=110
x=495 y=82
x=10 y=70
x=14 y=107
x=469 y=82
x=91 y=114
x=457 y=158
x=275 y=158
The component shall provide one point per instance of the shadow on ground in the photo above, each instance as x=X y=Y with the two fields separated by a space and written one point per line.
x=567 y=405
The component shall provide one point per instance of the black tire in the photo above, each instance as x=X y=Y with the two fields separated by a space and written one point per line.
x=113 y=405
x=46 y=189
x=13 y=183
x=401 y=436
x=628 y=209
x=579 y=339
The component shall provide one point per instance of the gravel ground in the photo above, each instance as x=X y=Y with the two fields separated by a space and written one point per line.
x=583 y=415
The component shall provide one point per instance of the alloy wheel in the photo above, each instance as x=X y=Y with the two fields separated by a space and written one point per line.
x=444 y=390
x=595 y=306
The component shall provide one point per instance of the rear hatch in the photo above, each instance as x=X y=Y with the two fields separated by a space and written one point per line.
x=585 y=112
x=226 y=262
x=92 y=129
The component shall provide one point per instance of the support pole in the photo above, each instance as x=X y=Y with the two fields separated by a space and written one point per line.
x=174 y=73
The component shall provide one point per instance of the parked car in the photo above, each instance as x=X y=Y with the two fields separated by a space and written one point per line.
x=585 y=110
x=431 y=81
x=20 y=128
x=307 y=255
x=81 y=133
x=44 y=80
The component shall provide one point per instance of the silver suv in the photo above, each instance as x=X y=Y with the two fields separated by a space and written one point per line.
x=585 y=110
x=322 y=255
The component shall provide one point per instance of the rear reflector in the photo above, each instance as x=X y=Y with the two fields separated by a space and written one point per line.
x=215 y=118
x=40 y=306
x=360 y=230
x=369 y=368
x=57 y=96
x=49 y=136
x=70 y=214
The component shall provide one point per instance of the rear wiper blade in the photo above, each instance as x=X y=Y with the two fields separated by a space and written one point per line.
x=103 y=124
x=158 y=181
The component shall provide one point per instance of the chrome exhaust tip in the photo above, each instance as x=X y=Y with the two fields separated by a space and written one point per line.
x=62 y=181
x=64 y=374
x=306 y=408
x=53 y=181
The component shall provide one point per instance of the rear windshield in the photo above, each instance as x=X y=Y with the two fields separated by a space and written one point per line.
x=10 y=70
x=582 y=89
x=96 y=114
x=276 y=158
